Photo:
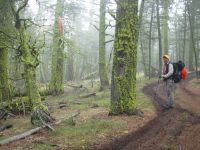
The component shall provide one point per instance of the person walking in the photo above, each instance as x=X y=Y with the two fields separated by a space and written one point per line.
x=167 y=75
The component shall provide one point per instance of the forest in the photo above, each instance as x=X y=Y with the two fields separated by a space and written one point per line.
x=100 y=74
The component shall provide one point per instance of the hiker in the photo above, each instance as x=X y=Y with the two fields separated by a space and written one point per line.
x=167 y=74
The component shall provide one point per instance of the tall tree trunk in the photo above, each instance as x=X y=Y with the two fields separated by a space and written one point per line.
x=185 y=30
x=70 y=66
x=57 y=71
x=165 y=26
x=6 y=27
x=140 y=36
x=159 y=36
x=4 y=82
x=192 y=14
x=123 y=84
x=143 y=56
x=29 y=70
x=150 y=36
x=102 y=47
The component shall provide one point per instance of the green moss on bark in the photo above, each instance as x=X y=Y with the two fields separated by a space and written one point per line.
x=30 y=65
x=123 y=85
x=6 y=27
x=57 y=68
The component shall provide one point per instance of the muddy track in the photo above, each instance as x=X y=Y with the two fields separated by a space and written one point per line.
x=177 y=128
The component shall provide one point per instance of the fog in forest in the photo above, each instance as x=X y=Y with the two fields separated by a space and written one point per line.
x=94 y=72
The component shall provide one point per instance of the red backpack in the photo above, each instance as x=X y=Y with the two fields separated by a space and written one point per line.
x=184 y=73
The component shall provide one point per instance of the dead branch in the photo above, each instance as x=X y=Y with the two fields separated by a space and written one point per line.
x=87 y=95
x=91 y=75
x=20 y=136
x=96 y=27
x=109 y=41
x=72 y=116
x=32 y=131
x=75 y=86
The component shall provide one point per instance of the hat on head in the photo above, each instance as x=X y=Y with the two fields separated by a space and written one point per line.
x=166 y=56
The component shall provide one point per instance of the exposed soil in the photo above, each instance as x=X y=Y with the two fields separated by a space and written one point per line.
x=177 y=128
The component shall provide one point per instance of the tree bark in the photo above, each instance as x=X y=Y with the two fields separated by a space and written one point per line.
x=159 y=37
x=150 y=35
x=192 y=14
x=102 y=47
x=165 y=26
x=123 y=84
x=57 y=71
x=185 y=27
x=6 y=26
x=29 y=69
x=140 y=37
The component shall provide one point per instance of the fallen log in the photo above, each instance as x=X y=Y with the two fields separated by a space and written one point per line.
x=68 y=117
x=46 y=143
x=33 y=131
x=75 y=86
x=20 y=136
x=58 y=106
x=63 y=105
x=90 y=76
x=77 y=102
x=87 y=95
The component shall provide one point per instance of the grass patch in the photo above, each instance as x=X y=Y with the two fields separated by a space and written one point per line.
x=81 y=135
x=142 y=100
x=42 y=147
x=80 y=106
x=103 y=102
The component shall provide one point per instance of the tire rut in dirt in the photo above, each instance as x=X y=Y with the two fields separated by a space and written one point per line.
x=161 y=132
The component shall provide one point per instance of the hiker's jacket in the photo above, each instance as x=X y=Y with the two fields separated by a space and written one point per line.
x=168 y=70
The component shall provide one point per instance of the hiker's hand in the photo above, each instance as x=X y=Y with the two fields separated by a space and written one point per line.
x=162 y=76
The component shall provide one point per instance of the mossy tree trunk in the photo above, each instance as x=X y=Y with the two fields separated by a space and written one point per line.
x=30 y=63
x=123 y=84
x=102 y=47
x=57 y=71
x=29 y=56
x=6 y=27
x=4 y=82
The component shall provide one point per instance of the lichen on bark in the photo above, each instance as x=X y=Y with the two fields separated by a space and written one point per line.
x=123 y=84
x=57 y=67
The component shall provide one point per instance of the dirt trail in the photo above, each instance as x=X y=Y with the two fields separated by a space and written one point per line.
x=177 y=128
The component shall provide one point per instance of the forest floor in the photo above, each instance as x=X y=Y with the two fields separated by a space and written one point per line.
x=156 y=129
x=174 y=129
x=89 y=130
